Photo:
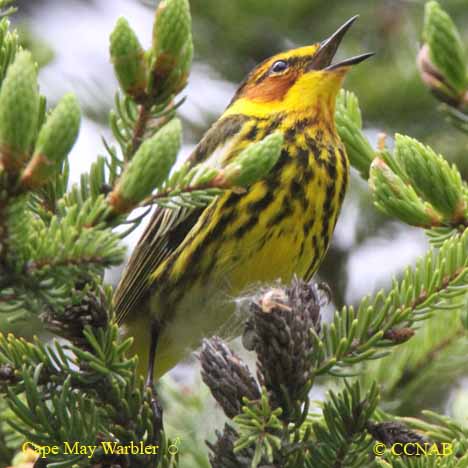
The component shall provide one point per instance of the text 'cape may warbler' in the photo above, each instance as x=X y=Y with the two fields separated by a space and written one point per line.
x=189 y=266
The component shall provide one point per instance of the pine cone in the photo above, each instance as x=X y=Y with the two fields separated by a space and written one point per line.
x=7 y=375
x=391 y=433
x=227 y=376
x=91 y=310
x=222 y=451
x=281 y=322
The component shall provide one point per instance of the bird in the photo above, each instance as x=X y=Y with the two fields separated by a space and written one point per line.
x=182 y=280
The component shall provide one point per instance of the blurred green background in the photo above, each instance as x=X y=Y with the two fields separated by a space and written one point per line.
x=70 y=40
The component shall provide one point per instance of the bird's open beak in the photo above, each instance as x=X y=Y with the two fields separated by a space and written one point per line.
x=327 y=50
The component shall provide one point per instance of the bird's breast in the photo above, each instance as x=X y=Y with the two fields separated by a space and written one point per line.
x=281 y=227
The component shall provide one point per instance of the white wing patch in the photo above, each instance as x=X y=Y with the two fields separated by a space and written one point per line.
x=217 y=159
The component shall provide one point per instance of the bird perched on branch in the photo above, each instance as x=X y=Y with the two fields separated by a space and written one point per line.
x=189 y=265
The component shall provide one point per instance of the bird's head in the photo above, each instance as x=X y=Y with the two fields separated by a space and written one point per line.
x=298 y=80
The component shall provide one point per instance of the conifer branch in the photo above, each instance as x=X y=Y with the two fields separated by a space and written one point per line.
x=442 y=61
x=349 y=339
x=343 y=427
x=361 y=334
x=412 y=183
x=431 y=357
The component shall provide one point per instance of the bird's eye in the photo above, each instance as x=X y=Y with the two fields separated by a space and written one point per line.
x=279 y=66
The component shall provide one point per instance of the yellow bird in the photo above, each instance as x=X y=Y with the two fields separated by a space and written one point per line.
x=189 y=266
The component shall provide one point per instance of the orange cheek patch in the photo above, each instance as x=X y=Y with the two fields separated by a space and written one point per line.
x=272 y=88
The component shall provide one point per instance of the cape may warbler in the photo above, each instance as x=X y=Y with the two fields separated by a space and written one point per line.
x=188 y=267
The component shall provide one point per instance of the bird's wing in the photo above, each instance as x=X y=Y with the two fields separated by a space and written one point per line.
x=168 y=227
